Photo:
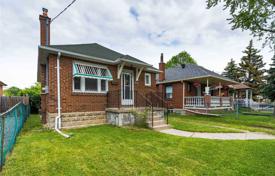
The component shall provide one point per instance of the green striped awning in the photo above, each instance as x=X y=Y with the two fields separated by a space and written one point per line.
x=91 y=71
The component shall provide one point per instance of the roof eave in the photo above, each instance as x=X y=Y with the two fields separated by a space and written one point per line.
x=198 y=77
x=89 y=58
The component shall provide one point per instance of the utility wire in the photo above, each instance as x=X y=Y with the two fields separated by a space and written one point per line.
x=63 y=10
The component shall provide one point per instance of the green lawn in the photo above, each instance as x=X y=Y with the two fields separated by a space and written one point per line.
x=228 y=123
x=108 y=150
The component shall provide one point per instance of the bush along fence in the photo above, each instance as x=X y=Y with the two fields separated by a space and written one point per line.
x=11 y=122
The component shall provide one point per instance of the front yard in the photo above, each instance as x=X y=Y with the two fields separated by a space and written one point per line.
x=108 y=150
x=228 y=123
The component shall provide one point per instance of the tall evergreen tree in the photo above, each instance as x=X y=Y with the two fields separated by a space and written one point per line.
x=252 y=68
x=269 y=89
x=232 y=71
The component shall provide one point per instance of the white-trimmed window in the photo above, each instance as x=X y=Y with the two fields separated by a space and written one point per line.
x=169 y=92
x=147 y=79
x=90 y=78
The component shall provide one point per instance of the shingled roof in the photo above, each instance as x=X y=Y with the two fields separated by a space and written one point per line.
x=190 y=71
x=2 y=84
x=95 y=50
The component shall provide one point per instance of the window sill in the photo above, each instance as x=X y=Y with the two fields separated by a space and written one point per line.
x=89 y=93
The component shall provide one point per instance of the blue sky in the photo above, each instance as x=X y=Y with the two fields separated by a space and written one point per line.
x=143 y=29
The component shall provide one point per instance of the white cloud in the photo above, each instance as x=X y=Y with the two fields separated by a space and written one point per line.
x=159 y=26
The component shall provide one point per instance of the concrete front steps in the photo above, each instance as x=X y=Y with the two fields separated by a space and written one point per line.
x=159 y=123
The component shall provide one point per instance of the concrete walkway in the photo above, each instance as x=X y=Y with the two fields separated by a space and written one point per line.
x=222 y=136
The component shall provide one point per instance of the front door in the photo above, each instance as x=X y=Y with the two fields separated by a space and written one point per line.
x=127 y=88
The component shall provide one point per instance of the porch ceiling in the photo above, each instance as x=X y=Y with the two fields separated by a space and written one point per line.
x=213 y=81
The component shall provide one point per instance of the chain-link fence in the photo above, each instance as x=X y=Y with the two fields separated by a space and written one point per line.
x=11 y=122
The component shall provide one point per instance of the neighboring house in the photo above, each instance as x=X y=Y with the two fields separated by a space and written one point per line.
x=84 y=84
x=242 y=94
x=1 y=88
x=191 y=86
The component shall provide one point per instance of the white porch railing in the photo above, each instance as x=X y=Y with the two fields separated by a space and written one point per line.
x=215 y=101
x=226 y=101
x=200 y=101
x=196 y=101
x=220 y=101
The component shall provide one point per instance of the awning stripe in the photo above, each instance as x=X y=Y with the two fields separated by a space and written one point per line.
x=94 y=71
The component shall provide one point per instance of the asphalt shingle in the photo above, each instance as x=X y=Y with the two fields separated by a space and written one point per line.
x=188 y=72
x=95 y=50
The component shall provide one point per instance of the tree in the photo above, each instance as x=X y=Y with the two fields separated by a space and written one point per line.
x=252 y=68
x=34 y=94
x=12 y=91
x=181 y=58
x=257 y=16
x=232 y=71
x=269 y=89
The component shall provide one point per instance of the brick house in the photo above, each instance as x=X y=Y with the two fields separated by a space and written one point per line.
x=1 y=88
x=87 y=84
x=190 y=86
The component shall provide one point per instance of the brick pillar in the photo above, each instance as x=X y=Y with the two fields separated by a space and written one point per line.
x=161 y=74
x=161 y=68
x=207 y=101
x=44 y=28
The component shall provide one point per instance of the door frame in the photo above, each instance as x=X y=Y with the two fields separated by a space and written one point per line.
x=130 y=101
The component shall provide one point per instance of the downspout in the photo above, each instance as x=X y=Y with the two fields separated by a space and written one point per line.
x=57 y=125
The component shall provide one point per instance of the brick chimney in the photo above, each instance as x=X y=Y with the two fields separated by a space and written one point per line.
x=161 y=68
x=44 y=27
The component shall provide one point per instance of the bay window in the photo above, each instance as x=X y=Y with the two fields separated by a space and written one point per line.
x=90 y=78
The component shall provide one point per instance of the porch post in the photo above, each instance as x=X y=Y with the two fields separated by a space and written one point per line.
x=183 y=95
x=246 y=97
x=220 y=89
x=207 y=87
x=251 y=98
x=220 y=94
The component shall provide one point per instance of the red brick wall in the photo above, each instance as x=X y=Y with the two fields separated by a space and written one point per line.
x=192 y=91
x=177 y=97
x=83 y=102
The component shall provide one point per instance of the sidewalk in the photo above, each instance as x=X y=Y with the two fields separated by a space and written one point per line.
x=222 y=136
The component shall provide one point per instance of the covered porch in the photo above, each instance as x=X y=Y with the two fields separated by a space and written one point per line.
x=207 y=92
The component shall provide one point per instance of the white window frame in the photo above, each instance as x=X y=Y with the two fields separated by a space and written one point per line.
x=150 y=79
x=82 y=80
x=82 y=86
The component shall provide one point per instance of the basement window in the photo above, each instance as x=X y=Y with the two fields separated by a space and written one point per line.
x=90 y=78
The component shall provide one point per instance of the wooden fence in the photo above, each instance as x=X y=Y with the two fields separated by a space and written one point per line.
x=8 y=102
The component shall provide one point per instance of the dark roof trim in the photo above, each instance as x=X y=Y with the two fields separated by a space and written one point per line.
x=198 y=77
x=2 y=84
x=85 y=57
